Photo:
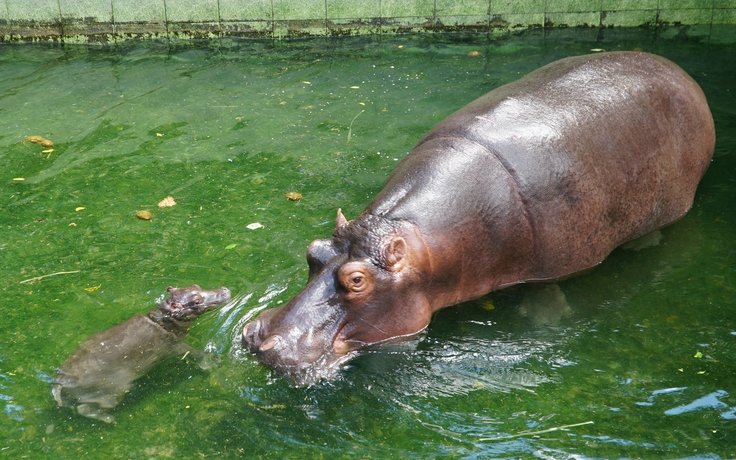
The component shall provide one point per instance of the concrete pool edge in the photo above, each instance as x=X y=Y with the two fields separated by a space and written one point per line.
x=113 y=21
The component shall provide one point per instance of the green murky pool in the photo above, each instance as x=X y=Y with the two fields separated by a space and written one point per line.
x=226 y=129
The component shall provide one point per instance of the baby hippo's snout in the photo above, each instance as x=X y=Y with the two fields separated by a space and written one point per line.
x=193 y=300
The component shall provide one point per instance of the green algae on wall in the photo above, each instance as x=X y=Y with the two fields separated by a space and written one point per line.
x=103 y=21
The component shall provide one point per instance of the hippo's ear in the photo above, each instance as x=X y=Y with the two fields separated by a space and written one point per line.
x=341 y=220
x=396 y=254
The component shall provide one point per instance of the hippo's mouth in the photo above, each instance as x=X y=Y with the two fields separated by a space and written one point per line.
x=290 y=361
x=325 y=367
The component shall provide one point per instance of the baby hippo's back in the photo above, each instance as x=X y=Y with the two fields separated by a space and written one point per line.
x=104 y=367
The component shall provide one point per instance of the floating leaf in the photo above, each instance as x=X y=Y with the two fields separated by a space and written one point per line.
x=19 y=178
x=597 y=50
x=80 y=208
x=355 y=87
x=144 y=215
x=293 y=196
x=47 y=151
x=93 y=288
x=40 y=140
x=230 y=246
x=159 y=135
x=698 y=355
x=307 y=82
x=254 y=226
x=167 y=202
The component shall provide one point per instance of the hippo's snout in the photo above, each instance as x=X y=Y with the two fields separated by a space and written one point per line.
x=272 y=349
x=304 y=359
x=251 y=340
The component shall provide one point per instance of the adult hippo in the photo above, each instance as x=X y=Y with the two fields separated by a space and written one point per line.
x=536 y=180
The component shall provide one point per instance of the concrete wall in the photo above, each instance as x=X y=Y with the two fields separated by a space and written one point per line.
x=111 y=20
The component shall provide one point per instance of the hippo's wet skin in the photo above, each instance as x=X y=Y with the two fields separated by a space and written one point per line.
x=536 y=180
x=97 y=375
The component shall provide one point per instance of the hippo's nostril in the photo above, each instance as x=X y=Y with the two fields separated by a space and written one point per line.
x=250 y=335
x=271 y=342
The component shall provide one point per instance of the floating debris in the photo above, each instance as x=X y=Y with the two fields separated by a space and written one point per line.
x=536 y=433
x=254 y=226
x=350 y=128
x=39 y=278
x=167 y=202
x=144 y=215
x=474 y=54
x=40 y=140
x=293 y=196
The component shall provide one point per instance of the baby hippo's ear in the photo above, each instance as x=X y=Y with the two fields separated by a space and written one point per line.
x=395 y=254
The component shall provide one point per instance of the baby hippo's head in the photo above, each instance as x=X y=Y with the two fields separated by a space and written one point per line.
x=192 y=301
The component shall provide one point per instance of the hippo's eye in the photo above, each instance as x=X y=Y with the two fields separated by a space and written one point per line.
x=354 y=277
x=355 y=282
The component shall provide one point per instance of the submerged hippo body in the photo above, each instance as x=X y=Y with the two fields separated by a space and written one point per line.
x=536 y=180
x=97 y=375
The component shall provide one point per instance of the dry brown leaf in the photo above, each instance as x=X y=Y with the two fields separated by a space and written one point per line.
x=167 y=202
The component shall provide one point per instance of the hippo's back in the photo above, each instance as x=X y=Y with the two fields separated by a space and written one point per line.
x=597 y=149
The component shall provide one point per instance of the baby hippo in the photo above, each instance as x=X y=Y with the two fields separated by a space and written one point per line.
x=97 y=375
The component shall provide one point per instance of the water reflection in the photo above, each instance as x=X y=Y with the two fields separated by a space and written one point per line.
x=436 y=367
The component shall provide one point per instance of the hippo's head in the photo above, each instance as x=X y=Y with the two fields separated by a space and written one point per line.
x=366 y=286
x=190 y=302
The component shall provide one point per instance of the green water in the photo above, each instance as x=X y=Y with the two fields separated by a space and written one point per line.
x=226 y=129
